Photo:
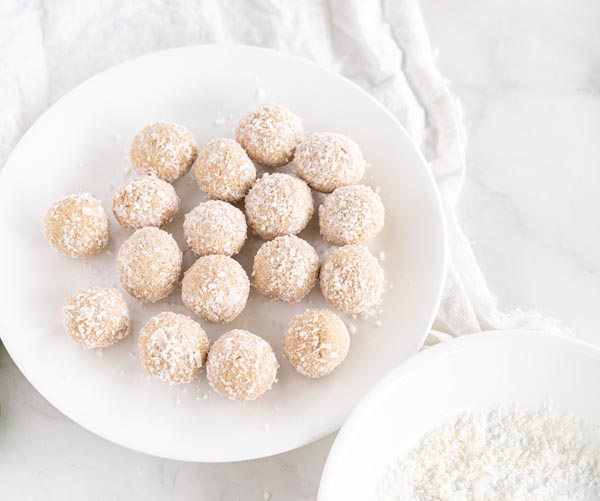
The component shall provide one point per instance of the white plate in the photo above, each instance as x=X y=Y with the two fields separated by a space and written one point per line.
x=480 y=370
x=80 y=144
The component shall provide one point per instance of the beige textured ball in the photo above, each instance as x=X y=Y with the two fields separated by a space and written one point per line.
x=215 y=227
x=327 y=160
x=279 y=204
x=270 y=135
x=145 y=201
x=241 y=365
x=216 y=288
x=316 y=342
x=286 y=268
x=164 y=149
x=351 y=215
x=96 y=317
x=224 y=171
x=149 y=264
x=352 y=279
x=77 y=225
x=173 y=347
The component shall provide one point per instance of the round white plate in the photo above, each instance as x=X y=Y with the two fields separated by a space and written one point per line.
x=81 y=145
x=479 y=370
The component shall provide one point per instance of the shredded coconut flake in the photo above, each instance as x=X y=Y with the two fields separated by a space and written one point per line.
x=506 y=453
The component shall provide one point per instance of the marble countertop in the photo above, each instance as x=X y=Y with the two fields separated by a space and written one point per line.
x=529 y=79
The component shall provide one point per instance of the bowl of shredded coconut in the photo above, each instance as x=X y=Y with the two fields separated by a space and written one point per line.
x=509 y=415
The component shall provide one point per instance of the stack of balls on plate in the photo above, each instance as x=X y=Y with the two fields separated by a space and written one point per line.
x=239 y=365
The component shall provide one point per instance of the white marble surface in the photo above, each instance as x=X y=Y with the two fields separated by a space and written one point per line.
x=529 y=78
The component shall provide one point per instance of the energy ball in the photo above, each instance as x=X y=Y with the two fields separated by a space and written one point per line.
x=77 y=225
x=145 y=201
x=241 y=365
x=316 y=342
x=216 y=288
x=270 y=135
x=173 y=347
x=279 y=204
x=96 y=317
x=352 y=279
x=351 y=215
x=215 y=227
x=286 y=268
x=224 y=170
x=149 y=264
x=327 y=160
x=164 y=149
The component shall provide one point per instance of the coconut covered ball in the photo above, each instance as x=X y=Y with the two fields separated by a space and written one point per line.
x=215 y=227
x=327 y=160
x=77 y=225
x=279 y=204
x=164 y=149
x=145 y=201
x=216 y=288
x=173 y=347
x=316 y=342
x=149 y=264
x=270 y=135
x=352 y=279
x=241 y=365
x=96 y=317
x=351 y=215
x=286 y=268
x=224 y=171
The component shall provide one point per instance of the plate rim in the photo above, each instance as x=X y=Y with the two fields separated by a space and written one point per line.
x=352 y=424
x=438 y=209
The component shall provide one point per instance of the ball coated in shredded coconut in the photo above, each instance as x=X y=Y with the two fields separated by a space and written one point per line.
x=286 y=268
x=279 y=204
x=164 y=149
x=327 y=160
x=215 y=227
x=351 y=279
x=149 y=264
x=351 y=215
x=270 y=134
x=241 y=365
x=216 y=288
x=224 y=171
x=316 y=342
x=77 y=225
x=173 y=347
x=145 y=201
x=96 y=317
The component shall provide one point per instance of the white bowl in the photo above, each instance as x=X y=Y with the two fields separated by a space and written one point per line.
x=473 y=371
x=81 y=144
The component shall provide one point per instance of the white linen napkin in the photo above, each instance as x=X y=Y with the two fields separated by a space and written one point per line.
x=49 y=47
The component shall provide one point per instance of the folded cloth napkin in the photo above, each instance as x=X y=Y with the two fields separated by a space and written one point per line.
x=47 y=47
